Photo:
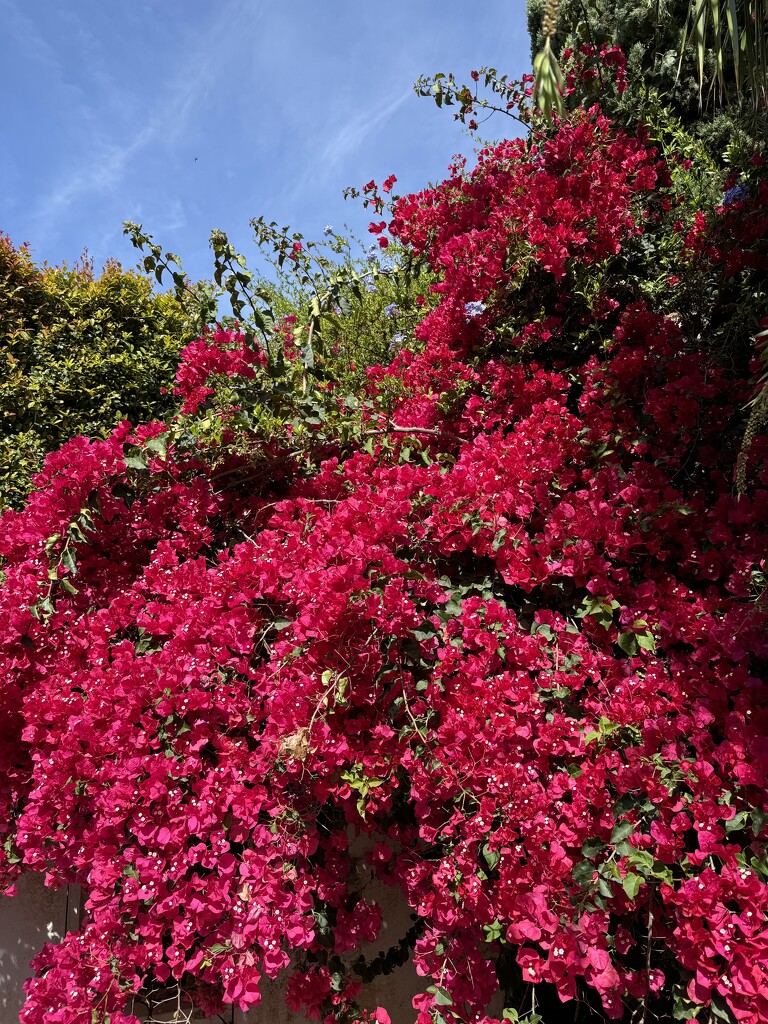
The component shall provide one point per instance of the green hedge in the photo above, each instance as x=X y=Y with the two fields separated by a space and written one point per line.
x=78 y=353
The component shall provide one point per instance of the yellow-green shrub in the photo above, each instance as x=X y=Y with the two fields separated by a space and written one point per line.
x=78 y=352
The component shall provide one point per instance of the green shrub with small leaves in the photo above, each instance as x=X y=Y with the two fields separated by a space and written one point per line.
x=78 y=353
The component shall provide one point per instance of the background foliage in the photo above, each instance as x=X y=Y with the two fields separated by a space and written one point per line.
x=78 y=352
x=678 y=52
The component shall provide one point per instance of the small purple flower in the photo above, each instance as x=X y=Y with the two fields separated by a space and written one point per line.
x=473 y=309
x=391 y=310
x=328 y=230
x=370 y=287
x=396 y=343
x=733 y=195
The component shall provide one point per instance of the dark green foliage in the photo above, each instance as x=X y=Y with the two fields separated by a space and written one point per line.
x=662 y=60
x=78 y=352
x=652 y=48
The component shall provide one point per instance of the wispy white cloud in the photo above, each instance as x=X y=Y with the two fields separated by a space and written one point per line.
x=21 y=30
x=346 y=139
x=100 y=171
x=104 y=163
x=351 y=135
x=174 y=220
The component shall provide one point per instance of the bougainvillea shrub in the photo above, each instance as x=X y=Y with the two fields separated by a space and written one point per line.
x=512 y=634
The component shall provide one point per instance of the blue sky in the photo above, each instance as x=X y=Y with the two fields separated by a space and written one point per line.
x=202 y=114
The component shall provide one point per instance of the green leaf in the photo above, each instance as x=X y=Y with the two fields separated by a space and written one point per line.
x=583 y=874
x=736 y=822
x=492 y=857
x=628 y=643
x=50 y=543
x=549 y=80
x=156 y=444
x=441 y=996
x=592 y=847
x=759 y=817
x=604 y=887
x=699 y=27
x=719 y=1010
x=308 y=355
x=631 y=884
x=714 y=7
x=68 y=560
x=621 y=831
x=646 y=641
x=640 y=859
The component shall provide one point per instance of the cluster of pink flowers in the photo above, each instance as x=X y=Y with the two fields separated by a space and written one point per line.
x=216 y=354
x=514 y=643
